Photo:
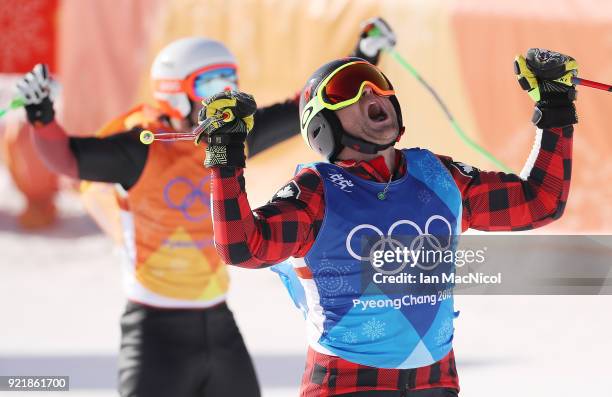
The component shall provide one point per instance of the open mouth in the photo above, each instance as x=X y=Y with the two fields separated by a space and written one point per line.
x=376 y=112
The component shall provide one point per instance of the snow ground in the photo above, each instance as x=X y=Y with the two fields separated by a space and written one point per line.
x=60 y=299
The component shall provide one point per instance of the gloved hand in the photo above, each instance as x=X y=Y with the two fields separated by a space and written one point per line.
x=225 y=121
x=37 y=91
x=376 y=35
x=547 y=77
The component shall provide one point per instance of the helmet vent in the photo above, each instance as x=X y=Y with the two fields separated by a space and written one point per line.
x=316 y=132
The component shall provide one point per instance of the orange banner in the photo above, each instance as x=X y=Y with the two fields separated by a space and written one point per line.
x=27 y=34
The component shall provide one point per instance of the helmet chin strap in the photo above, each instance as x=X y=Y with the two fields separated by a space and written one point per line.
x=363 y=146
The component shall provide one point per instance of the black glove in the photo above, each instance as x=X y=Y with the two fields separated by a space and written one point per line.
x=547 y=77
x=376 y=36
x=37 y=90
x=225 y=121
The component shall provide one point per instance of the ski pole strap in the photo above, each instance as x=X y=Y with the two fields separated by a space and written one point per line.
x=458 y=130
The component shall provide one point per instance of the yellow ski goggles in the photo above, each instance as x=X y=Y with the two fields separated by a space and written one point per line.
x=344 y=87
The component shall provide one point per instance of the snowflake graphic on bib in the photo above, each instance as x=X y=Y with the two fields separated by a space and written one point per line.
x=373 y=329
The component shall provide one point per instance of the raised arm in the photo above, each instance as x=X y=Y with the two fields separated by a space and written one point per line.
x=53 y=146
x=286 y=226
x=270 y=234
x=118 y=159
x=497 y=201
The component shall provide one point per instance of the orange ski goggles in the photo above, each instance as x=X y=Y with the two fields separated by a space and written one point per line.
x=202 y=83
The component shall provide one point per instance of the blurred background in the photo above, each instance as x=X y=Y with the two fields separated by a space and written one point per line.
x=59 y=286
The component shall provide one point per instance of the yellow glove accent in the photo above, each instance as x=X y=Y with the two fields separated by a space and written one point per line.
x=249 y=121
x=525 y=73
x=571 y=67
x=219 y=105
x=220 y=108
x=529 y=82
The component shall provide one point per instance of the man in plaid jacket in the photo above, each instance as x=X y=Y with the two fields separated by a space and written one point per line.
x=350 y=115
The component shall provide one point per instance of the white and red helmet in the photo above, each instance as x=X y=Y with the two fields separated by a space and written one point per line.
x=191 y=68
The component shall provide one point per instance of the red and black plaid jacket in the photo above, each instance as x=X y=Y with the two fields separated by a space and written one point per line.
x=492 y=201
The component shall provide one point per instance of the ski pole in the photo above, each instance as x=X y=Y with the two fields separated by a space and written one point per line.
x=15 y=103
x=466 y=139
x=147 y=137
x=592 y=84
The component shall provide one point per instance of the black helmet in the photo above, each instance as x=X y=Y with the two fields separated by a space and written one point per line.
x=321 y=128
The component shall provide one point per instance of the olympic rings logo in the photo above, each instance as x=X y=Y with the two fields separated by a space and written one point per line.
x=195 y=193
x=388 y=242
